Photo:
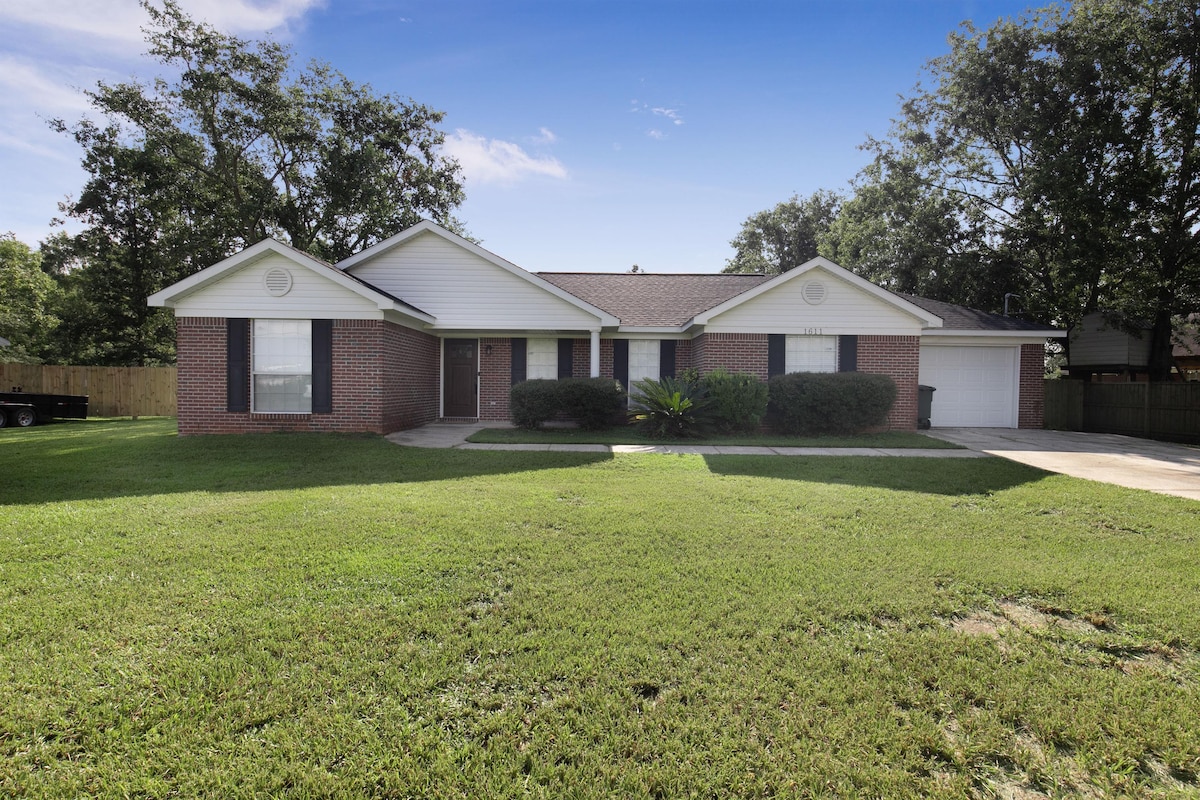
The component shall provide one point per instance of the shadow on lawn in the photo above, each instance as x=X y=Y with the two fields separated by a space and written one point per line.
x=945 y=476
x=85 y=460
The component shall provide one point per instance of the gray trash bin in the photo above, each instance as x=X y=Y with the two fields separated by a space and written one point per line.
x=924 y=406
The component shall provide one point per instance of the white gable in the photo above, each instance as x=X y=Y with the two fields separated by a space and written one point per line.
x=819 y=298
x=467 y=290
x=244 y=293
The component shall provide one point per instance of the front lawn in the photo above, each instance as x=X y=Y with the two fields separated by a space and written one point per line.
x=336 y=616
x=630 y=435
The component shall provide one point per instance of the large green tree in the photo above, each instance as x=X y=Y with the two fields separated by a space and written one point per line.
x=783 y=237
x=1053 y=156
x=27 y=303
x=236 y=146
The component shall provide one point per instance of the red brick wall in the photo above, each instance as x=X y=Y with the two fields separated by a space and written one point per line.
x=410 y=378
x=900 y=357
x=1032 y=397
x=735 y=352
x=495 y=378
x=372 y=360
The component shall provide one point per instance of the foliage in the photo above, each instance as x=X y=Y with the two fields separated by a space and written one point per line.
x=1054 y=157
x=533 y=402
x=785 y=236
x=669 y=408
x=630 y=435
x=594 y=403
x=213 y=617
x=28 y=298
x=836 y=403
x=738 y=400
x=240 y=146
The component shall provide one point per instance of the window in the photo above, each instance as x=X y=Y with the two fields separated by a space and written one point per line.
x=541 y=359
x=281 y=365
x=643 y=360
x=811 y=354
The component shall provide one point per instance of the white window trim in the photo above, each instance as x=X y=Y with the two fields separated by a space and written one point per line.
x=254 y=372
x=541 y=349
x=791 y=360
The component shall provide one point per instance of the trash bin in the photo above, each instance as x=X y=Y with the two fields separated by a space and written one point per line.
x=924 y=406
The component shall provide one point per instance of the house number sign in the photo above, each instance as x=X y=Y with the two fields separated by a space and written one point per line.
x=813 y=331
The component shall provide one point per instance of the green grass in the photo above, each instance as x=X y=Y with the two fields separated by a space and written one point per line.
x=632 y=436
x=336 y=616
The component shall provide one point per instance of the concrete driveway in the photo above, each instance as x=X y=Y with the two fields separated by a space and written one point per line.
x=1137 y=463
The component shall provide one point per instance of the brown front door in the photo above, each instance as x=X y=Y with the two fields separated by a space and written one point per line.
x=460 y=369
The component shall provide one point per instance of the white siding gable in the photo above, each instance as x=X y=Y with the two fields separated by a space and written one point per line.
x=465 y=291
x=843 y=309
x=241 y=293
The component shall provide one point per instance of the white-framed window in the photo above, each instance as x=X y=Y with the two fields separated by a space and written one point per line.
x=811 y=354
x=281 y=366
x=643 y=360
x=541 y=358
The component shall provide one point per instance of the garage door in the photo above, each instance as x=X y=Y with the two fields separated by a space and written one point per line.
x=976 y=386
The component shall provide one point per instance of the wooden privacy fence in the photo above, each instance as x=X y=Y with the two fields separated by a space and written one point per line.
x=111 y=391
x=1169 y=411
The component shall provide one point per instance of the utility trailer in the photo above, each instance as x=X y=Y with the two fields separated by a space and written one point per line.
x=23 y=409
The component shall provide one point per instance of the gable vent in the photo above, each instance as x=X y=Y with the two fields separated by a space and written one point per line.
x=277 y=282
x=814 y=293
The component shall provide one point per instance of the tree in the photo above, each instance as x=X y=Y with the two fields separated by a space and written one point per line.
x=777 y=240
x=240 y=146
x=1055 y=157
x=27 y=297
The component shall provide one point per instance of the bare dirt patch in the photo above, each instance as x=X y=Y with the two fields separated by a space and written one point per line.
x=981 y=623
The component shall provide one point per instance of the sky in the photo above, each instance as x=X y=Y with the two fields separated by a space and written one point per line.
x=592 y=135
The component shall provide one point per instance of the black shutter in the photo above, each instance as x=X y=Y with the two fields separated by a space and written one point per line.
x=322 y=366
x=666 y=358
x=519 y=351
x=621 y=361
x=848 y=353
x=237 y=365
x=565 y=357
x=776 y=354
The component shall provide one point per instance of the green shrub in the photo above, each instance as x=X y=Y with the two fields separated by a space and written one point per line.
x=670 y=408
x=738 y=400
x=838 y=403
x=530 y=403
x=595 y=403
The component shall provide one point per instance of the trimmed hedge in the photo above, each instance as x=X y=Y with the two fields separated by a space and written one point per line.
x=839 y=403
x=737 y=400
x=595 y=403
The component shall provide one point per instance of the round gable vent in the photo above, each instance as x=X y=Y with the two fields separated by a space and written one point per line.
x=277 y=282
x=814 y=293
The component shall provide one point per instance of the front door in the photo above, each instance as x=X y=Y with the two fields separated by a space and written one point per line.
x=460 y=369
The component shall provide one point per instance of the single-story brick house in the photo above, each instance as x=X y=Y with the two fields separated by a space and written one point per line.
x=427 y=325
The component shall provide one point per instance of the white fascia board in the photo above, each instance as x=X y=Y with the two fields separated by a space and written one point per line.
x=425 y=226
x=169 y=296
x=944 y=336
x=642 y=331
x=926 y=318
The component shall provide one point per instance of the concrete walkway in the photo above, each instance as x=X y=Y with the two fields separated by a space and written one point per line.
x=1122 y=460
x=1161 y=467
x=455 y=436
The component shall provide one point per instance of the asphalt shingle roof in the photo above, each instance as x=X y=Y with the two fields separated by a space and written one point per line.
x=653 y=300
x=961 y=318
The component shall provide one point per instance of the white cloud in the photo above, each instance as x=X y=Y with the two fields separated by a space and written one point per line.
x=545 y=136
x=496 y=161
x=655 y=133
x=670 y=113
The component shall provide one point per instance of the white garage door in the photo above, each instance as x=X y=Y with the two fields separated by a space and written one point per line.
x=976 y=386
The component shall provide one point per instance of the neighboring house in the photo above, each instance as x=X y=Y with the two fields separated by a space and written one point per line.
x=1106 y=344
x=427 y=325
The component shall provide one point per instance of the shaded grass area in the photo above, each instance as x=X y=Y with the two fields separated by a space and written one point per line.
x=630 y=435
x=295 y=615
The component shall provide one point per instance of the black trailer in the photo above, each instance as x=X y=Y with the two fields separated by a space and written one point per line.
x=23 y=409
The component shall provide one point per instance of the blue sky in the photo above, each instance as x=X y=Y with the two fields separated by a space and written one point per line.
x=593 y=135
